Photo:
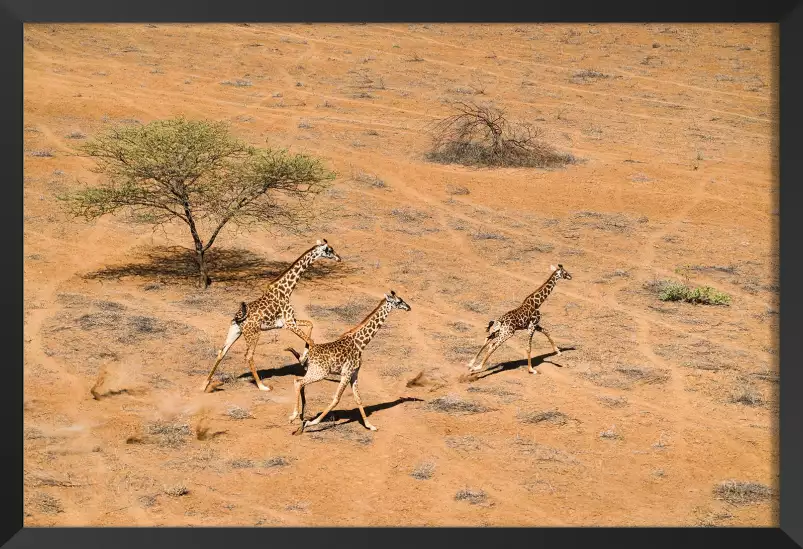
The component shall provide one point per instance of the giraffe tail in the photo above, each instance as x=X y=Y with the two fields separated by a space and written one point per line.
x=242 y=312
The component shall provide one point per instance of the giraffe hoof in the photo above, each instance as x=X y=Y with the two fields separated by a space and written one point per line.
x=371 y=427
x=265 y=388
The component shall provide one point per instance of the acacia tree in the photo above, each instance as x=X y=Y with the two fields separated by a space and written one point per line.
x=197 y=173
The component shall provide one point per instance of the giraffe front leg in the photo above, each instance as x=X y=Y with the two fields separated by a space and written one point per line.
x=358 y=400
x=530 y=369
x=344 y=381
x=549 y=337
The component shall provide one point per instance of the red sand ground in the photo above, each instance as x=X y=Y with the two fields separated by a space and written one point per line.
x=677 y=143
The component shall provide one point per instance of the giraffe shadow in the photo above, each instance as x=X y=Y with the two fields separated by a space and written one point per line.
x=515 y=364
x=338 y=418
x=294 y=369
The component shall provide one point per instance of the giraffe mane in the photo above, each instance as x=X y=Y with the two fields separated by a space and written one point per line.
x=541 y=287
x=365 y=320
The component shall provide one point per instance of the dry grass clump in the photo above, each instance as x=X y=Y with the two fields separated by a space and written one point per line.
x=47 y=504
x=474 y=497
x=453 y=404
x=424 y=471
x=168 y=434
x=738 y=492
x=276 y=461
x=551 y=416
x=481 y=135
x=236 y=412
x=176 y=491
x=613 y=402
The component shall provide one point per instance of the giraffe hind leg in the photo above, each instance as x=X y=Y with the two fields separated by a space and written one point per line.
x=234 y=334
x=494 y=346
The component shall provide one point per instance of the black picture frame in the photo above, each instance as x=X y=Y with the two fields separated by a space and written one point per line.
x=14 y=13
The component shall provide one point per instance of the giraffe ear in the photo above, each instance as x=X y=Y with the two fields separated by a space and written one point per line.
x=553 y=268
x=393 y=293
x=325 y=242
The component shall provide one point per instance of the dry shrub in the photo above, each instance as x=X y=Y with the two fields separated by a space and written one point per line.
x=481 y=135
x=550 y=416
x=453 y=404
x=424 y=471
x=474 y=497
x=738 y=492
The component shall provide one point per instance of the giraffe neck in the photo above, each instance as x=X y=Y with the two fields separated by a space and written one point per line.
x=287 y=280
x=363 y=333
x=540 y=295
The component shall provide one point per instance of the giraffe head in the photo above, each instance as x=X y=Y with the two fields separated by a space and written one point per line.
x=560 y=272
x=396 y=302
x=323 y=249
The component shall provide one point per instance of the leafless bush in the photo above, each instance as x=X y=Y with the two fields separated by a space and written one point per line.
x=481 y=135
x=241 y=463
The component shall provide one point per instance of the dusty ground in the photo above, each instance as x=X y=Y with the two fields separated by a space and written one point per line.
x=654 y=404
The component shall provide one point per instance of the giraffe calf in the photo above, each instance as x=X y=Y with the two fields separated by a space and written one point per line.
x=341 y=357
x=526 y=316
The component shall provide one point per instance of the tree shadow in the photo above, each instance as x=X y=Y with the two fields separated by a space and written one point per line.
x=514 y=364
x=232 y=265
x=353 y=415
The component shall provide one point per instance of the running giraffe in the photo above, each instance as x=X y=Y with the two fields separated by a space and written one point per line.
x=526 y=316
x=271 y=310
x=341 y=357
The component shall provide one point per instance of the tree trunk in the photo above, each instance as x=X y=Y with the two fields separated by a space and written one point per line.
x=203 y=274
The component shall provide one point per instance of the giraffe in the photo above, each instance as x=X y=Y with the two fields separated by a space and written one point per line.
x=271 y=310
x=341 y=357
x=525 y=316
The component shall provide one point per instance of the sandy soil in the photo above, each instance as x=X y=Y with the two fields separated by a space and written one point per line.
x=652 y=404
